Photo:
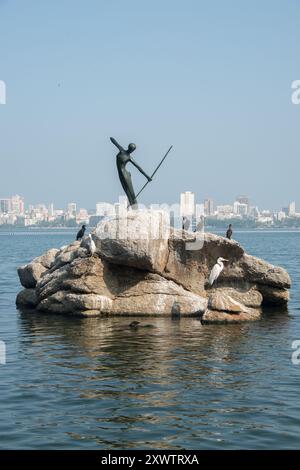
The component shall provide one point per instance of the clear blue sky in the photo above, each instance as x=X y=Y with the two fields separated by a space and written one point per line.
x=213 y=78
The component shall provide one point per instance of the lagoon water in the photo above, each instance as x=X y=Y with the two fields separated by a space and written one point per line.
x=71 y=383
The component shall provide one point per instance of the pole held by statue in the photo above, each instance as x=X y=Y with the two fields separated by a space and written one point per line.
x=156 y=169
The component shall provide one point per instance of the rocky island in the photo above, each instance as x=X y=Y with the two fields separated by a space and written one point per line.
x=142 y=267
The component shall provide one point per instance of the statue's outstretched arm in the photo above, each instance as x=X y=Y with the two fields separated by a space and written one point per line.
x=116 y=144
x=140 y=169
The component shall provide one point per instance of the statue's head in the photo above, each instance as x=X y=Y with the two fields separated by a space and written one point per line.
x=131 y=148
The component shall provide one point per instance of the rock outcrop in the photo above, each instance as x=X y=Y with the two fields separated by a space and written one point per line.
x=139 y=240
x=141 y=267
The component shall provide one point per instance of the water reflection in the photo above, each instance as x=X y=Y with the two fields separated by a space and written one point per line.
x=168 y=383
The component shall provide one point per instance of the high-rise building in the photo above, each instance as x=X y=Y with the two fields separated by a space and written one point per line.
x=5 y=206
x=243 y=200
x=240 y=208
x=209 y=207
x=292 y=209
x=17 y=205
x=51 y=210
x=71 y=210
x=187 y=204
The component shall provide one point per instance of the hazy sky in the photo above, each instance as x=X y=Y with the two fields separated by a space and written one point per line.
x=213 y=78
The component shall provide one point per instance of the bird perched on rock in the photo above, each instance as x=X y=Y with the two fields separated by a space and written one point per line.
x=81 y=232
x=229 y=232
x=216 y=270
x=90 y=244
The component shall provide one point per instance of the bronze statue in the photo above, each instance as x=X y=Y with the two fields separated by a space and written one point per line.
x=123 y=157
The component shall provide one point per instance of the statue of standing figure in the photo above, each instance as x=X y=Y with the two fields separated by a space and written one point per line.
x=123 y=157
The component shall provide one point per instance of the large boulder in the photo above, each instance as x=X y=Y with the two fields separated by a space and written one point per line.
x=136 y=238
x=27 y=298
x=48 y=258
x=155 y=295
x=68 y=302
x=68 y=254
x=142 y=269
x=92 y=284
x=191 y=268
x=81 y=276
x=29 y=274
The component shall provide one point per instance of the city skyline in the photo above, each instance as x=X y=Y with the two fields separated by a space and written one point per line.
x=13 y=211
x=47 y=202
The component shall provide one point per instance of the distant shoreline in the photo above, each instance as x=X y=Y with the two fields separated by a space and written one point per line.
x=33 y=229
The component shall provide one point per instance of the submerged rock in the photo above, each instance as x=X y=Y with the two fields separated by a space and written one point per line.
x=152 y=271
x=215 y=316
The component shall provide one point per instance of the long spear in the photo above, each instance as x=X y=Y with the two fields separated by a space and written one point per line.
x=158 y=166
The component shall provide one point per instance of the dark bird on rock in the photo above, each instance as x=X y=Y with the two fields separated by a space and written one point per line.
x=80 y=233
x=229 y=232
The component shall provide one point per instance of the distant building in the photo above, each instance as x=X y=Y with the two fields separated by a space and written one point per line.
x=253 y=212
x=82 y=217
x=243 y=200
x=240 y=209
x=17 y=205
x=51 y=210
x=5 y=206
x=281 y=216
x=71 y=209
x=224 y=211
x=209 y=207
x=187 y=204
x=292 y=209
x=285 y=210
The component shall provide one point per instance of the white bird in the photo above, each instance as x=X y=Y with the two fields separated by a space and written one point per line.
x=216 y=270
x=91 y=245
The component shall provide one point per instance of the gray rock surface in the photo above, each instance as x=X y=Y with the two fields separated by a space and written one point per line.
x=215 y=316
x=27 y=298
x=139 y=240
x=30 y=273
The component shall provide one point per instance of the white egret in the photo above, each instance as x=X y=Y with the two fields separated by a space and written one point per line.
x=91 y=245
x=216 y=270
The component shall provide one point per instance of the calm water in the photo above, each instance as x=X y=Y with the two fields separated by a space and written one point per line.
x=74 y=383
